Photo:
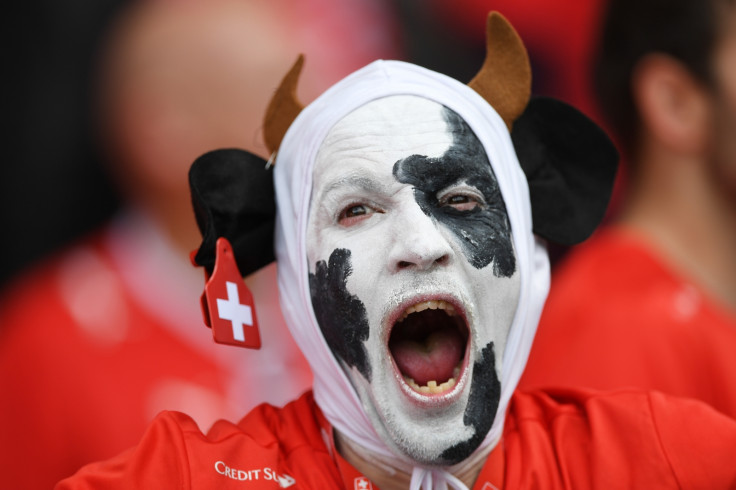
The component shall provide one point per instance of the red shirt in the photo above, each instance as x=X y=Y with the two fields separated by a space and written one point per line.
x=617 y=316
x=570 y=439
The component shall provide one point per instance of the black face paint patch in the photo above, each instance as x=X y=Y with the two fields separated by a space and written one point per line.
x=485 y=393
x=484 y=232
x=340 y=315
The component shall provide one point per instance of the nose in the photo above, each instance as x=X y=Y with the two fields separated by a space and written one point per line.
x=418 y=243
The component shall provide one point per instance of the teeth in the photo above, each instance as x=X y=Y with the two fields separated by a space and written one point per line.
x=432 y=305
x=432 y=386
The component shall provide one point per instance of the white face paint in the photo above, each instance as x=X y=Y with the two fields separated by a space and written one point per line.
x=388 y=235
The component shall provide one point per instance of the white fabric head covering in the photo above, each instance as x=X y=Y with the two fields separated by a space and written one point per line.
x=293 y=182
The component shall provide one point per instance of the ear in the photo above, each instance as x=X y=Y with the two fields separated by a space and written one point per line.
x=671 y=103
x=233 y=197
x=570 y=164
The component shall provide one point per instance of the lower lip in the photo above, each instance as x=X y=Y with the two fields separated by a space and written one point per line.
x=434 y=399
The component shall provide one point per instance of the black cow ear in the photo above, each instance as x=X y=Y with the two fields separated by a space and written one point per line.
x=233 y=197
x=570 y=164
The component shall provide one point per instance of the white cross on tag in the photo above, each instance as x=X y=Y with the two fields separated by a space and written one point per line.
x=231 y=309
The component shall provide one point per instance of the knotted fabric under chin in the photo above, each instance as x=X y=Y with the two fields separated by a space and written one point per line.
x=293 y=182
x=435 y=479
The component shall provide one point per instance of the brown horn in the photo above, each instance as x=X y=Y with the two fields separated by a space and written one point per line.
x=505 y=79
x=283 y=108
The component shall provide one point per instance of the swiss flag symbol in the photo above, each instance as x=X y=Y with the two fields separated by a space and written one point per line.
x=228 y=304
x=362 y=483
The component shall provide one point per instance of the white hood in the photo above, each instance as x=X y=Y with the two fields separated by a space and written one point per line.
x=293 y=182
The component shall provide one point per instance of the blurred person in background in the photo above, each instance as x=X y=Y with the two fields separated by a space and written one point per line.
x=650 y=301
x=99 y=338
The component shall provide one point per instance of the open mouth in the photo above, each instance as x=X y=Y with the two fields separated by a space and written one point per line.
x=428 y=344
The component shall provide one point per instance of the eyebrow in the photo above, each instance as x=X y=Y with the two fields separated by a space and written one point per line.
x=362 y=182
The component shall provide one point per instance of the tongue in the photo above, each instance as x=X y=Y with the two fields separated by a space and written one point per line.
x=434 y=359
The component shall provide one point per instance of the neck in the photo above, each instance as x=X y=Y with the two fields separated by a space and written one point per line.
x=675 y=203
x=392 y=474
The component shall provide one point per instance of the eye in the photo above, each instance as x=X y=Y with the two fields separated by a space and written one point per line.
x=461 y=201
x=355 y=213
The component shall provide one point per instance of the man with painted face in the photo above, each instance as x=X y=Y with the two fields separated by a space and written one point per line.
x=412 y=275
x=409 y=247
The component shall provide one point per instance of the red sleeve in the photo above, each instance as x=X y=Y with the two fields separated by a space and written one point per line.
x=621 y=440
x=269 y=447
x=159 y=461
x=702 y=451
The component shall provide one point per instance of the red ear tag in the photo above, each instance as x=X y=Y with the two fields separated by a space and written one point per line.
x=228 y=303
